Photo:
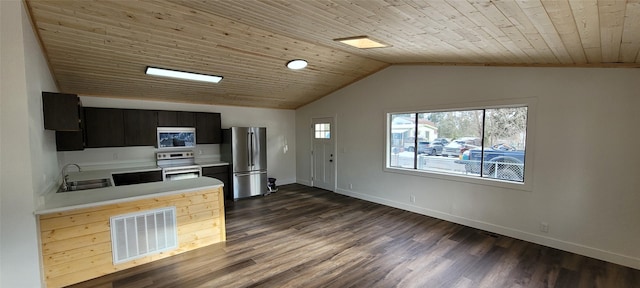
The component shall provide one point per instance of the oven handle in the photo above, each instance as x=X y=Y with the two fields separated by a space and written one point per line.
x=180 y=170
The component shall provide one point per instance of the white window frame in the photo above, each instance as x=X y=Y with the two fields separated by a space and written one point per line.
x=527 y=185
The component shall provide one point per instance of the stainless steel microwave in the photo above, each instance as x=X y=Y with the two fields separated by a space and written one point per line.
x=176 y=137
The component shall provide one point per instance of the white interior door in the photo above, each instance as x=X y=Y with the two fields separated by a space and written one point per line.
x=323 y=154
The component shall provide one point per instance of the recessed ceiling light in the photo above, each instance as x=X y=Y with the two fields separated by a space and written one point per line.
x=297 y=64
x=182 y=75
x=362 y=42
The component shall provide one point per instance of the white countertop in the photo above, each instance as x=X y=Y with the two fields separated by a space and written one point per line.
x=65 y=201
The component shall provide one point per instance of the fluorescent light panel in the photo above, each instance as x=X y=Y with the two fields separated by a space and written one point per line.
x=182 y=75
x=362 y=42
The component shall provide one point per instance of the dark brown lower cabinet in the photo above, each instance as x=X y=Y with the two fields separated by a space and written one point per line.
x=221 y=173
x=137 y=177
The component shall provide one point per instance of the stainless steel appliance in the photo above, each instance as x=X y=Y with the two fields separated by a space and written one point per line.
x=178 y=165
x=245 y=149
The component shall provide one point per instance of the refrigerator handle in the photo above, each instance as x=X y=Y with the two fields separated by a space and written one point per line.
x=249 y=150
x=252 y=154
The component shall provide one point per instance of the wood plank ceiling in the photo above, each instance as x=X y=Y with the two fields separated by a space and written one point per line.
x=101 y=48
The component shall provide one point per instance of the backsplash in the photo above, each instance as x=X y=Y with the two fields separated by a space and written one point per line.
x=102 y=158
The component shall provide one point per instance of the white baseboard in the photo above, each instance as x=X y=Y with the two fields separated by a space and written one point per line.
x=518 y=234
x=280 y=182
x=304 y=182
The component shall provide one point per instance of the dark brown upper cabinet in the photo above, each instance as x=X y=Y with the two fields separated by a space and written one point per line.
x=61 y=111
x=69 y=140
x=104 y=127
x=176 y=119
x=208 y=130
x=140 y=127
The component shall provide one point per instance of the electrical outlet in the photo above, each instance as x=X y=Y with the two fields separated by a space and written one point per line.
x=544 y=227
x=412 y=198
x=350 y=186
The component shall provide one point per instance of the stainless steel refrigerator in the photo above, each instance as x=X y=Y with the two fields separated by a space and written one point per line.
x=245 y=148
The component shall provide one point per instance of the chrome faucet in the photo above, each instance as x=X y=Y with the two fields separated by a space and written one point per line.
x=65 y=176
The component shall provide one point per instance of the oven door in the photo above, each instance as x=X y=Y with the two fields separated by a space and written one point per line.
x=178 y=173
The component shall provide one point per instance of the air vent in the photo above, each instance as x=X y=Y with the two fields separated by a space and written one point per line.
x=140 y=234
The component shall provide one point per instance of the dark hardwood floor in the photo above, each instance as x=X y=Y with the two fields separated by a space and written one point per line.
x=307 y=237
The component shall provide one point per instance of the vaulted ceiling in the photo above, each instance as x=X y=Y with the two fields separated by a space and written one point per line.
x=101 y=48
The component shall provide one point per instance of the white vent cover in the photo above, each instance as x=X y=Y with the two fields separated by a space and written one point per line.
x=140 y=234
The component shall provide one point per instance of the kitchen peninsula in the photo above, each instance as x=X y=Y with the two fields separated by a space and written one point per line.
x=76 y=227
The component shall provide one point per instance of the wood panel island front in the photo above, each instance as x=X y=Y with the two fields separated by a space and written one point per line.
x=75 y=227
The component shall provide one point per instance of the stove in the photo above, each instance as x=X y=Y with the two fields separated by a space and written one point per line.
x=177 y=165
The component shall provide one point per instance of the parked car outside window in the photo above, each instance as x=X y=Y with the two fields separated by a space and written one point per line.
x=441 y=141
x=458 y=146
x=429 y=148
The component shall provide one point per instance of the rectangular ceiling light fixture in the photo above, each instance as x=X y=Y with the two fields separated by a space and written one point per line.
x=362 y=42
x=182 y=75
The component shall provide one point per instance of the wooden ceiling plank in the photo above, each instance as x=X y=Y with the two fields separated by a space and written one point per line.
x=457 y=31
x=630 y=46
x=519 y=18
x=411 y=28
x=267 y=14
x=611 y=15
x=430 y=32
x=493 y=22
x=259 y=41
x=562 y=18
x=475 y=35
x=536 y=13
x=492 y=12
x=587 y=21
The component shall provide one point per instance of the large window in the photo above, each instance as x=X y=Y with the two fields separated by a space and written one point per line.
x=483 y=143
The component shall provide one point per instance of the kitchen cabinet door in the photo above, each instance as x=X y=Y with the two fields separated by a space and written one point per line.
x=176 y=119
x=61 y=111
x=208 y=129
x=221 y=173
x=69 y=140
x=137 y=177
x=140 y=127
x=104 y=127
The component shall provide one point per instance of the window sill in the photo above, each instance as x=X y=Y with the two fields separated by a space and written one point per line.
x=526 y=186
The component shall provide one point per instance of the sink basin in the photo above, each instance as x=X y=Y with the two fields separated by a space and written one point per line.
x=86 y=184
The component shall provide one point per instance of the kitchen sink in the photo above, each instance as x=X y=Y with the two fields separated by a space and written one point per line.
x=86 y=184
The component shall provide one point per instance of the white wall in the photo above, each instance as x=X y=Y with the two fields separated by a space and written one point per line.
x=585 y=175
x=27 y=156
x=280 y=136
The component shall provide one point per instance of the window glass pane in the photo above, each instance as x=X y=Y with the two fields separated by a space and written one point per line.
x=402 y=140
x=444 y=136
x=487 y=143
x=504 y=142
x=322 y=131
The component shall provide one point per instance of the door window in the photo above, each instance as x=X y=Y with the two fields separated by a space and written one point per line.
x=322 y=130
